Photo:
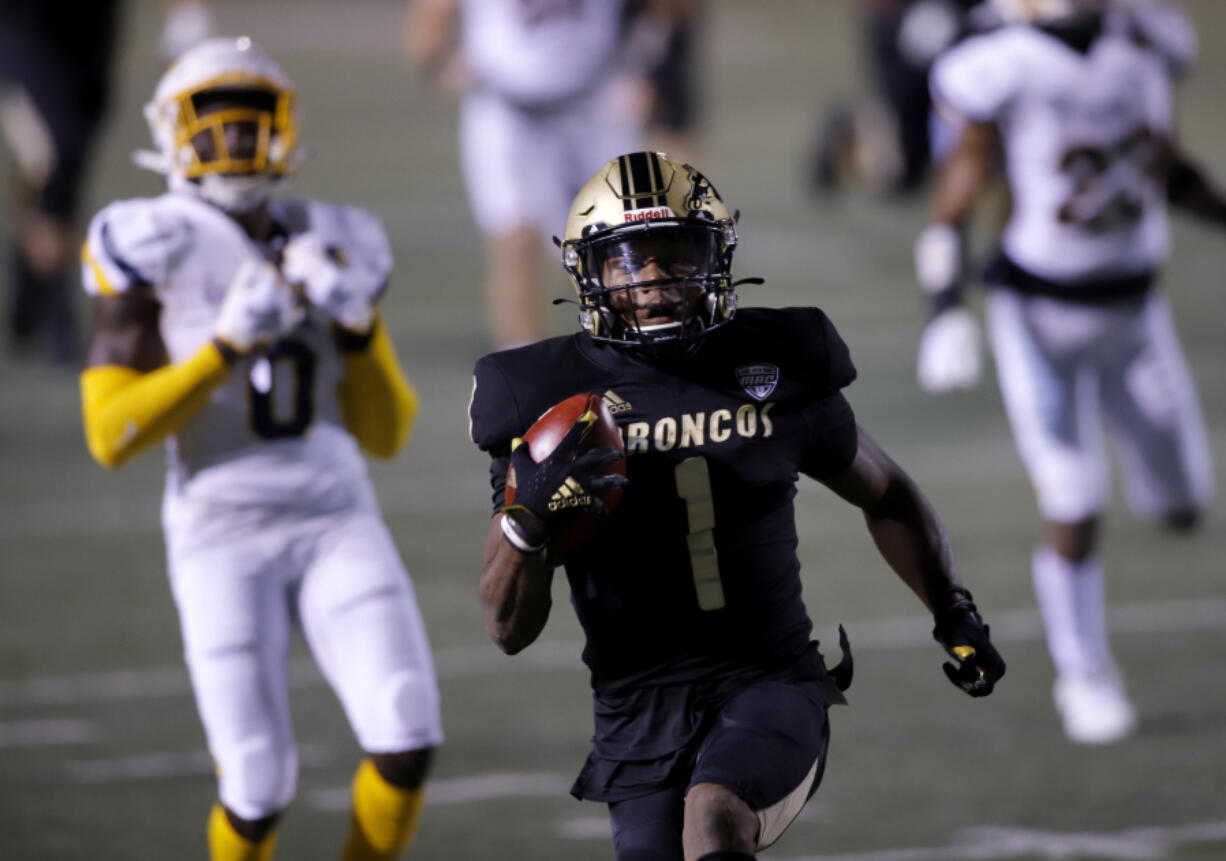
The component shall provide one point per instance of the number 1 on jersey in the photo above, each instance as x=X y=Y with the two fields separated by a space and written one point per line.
x=694 y=488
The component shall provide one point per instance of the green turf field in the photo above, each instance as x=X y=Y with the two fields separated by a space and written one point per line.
x=101 y=753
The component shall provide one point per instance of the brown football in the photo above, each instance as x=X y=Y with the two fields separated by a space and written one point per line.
x=543 y=437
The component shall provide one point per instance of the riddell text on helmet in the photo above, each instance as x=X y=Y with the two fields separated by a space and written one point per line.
x=646 y=214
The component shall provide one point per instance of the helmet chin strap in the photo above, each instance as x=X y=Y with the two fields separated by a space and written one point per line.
x=233 y=194
x=151 y=160
x=659 y=327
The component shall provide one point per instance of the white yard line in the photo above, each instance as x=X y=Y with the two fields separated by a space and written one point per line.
x=149 y=766
x=47 y=731
x=160 y=766
x=583 y=828
x=598 y=828
x=99 y=687
x=461 y=790
x=552 y=655
x=986 y=843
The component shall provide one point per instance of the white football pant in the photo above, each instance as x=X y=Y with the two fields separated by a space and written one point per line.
x=1062 y=366
x=522 y=168
x=340 y=578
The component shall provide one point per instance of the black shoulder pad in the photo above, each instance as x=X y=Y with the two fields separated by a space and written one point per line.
x=829 y=352
x=493 y=414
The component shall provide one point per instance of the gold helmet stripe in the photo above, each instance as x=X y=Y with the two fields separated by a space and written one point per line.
x=625 y=189
x=641 y=185
x=642 y=180
x=658 y=178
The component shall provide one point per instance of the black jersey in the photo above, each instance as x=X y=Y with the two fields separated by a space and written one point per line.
x=696 y=570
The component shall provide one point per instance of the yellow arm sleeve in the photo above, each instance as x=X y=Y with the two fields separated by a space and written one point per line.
x=378 y=402
x=126 y=411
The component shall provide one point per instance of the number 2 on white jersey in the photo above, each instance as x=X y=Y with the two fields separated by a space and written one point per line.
x=1111 y=183
x=694 y=488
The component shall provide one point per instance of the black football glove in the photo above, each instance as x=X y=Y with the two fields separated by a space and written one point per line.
x=961 y=630
x=560 y=485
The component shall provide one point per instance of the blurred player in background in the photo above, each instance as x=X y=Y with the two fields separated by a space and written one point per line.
x=902 y=38
x=538 y=114
x=710 y=697
x=662 y=43
x=186 y=23
x=242 y=329
x=55 y=78
x=55 y=67
x=1078 y=96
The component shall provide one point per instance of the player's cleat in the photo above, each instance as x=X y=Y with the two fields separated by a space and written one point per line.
x=1094 y=708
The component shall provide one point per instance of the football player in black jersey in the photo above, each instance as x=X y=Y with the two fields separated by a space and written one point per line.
x=710 y=696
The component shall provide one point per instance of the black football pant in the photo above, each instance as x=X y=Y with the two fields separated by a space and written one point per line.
x=762 y=746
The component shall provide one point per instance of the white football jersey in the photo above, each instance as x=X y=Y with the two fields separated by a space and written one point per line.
x=272 y=434
x=1082 y=134
x=537 y=53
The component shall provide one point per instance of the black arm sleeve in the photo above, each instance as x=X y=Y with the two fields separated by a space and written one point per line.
x=1188 y=188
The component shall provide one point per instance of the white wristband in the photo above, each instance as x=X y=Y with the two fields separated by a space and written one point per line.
x=938 y=257
x=516 y=540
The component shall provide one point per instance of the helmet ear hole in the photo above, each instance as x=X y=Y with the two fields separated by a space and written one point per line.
x=588 y=320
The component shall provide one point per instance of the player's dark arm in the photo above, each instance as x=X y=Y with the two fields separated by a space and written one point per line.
x=1189 y=189
x=939 y=249
x=900 y=519
x=514 y=591
x=131 y=398
x=124 y=331
x=965 y=173
x=431 y=36
x=516 y=573
x=913 y=542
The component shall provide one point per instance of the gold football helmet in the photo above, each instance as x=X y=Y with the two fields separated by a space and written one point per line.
x=649 y=245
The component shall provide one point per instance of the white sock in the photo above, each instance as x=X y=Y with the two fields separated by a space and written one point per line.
x=1071 y=600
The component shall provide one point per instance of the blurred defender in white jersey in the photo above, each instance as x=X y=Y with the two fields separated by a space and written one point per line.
x=539 y=114
x=1077 y=97
x=242 y=330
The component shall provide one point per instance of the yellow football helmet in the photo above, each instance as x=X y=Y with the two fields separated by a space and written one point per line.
x=649 y=245
x=224 y=123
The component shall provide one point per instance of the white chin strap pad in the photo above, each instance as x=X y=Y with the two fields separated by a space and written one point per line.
x=231 y=193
